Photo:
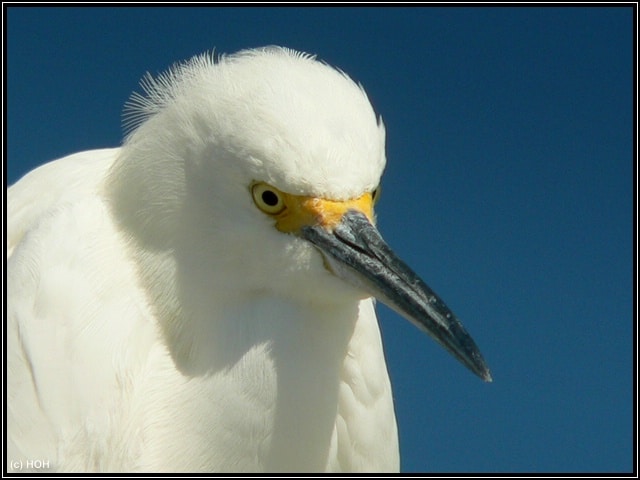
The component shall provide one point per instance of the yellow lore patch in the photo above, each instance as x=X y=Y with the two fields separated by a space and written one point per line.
x=293 y=212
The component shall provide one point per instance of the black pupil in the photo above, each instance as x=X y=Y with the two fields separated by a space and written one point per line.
x=269 y=198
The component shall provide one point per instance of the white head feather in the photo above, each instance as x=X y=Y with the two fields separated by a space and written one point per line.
x=294 y=121
x=204 y=132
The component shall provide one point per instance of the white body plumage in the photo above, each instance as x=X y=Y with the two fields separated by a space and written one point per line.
x=156 y=319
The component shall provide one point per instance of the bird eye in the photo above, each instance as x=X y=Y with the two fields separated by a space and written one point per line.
x=375 y=195
x=267 y=198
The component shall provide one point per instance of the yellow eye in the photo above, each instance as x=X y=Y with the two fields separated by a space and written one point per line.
x=267 y=198
x=375 y=195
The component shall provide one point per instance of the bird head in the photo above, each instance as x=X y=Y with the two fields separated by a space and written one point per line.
x=271 y=160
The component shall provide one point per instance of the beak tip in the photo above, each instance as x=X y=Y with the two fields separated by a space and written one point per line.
x=478 y=365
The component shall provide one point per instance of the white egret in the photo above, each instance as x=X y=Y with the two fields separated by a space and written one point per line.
x=200 y=298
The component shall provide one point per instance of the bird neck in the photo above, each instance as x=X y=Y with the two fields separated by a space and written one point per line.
x=283 y=358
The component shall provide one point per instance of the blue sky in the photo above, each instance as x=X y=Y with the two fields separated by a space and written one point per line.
x=508 y=188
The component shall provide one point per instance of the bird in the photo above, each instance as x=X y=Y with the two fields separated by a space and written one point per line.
x=202 y=297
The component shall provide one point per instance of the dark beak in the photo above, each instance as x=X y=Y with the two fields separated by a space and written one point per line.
x=356 y=252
